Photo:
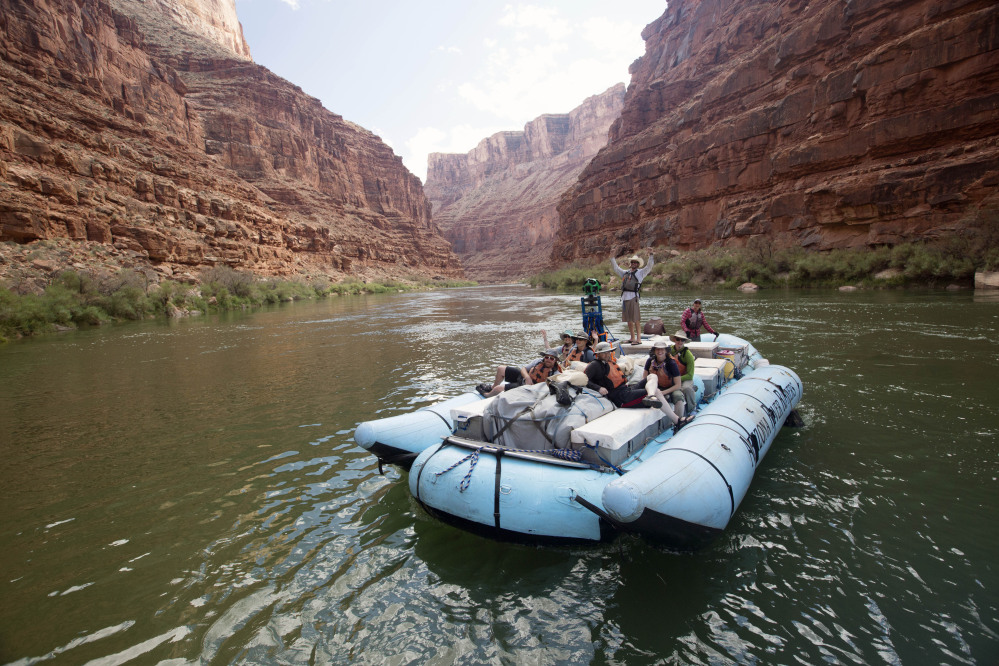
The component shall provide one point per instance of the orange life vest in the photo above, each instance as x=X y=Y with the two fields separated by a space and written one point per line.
x=574 y=355
x=615 y=375
x=683 y=367
x=660 y=371
x=540 y=373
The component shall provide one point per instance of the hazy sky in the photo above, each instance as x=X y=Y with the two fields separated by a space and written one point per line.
x=442 y=75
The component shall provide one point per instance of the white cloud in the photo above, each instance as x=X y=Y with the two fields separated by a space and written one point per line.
x=536 y=59
x=386 y=139
x=616 y=39
x=458 y=139
x=540 y=62
x=529 y=18
x=449 y=49
x=291 y=3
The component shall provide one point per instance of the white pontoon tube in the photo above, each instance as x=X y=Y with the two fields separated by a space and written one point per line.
x=399 y=439
x=686 y=493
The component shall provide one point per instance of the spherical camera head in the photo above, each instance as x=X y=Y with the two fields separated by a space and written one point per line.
x=591 y=287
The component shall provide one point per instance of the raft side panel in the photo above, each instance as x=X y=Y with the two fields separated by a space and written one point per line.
x=531 y=499
x=607 y=532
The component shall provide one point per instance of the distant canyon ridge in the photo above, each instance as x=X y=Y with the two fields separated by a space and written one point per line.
x=141 y=134
x=497 y=203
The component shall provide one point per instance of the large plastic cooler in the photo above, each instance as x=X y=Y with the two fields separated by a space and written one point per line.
x=712 y=373
x=737 y=354
x=468 y=419
x=617 y=435
x=702 y=349
x=723 y=364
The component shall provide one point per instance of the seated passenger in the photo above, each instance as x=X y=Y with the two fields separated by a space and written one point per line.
x=662 y=377
x=581 y=351
x=684 y=359
x=607 y=379
x=567 y=344
x=512 y=376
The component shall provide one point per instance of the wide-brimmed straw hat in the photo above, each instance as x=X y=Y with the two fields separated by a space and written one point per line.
x=679 y=335
x=660 y=344
x=602 y=347
x=635 y=257
x=582 y=335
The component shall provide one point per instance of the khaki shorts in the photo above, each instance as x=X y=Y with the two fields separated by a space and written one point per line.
x=630 y=310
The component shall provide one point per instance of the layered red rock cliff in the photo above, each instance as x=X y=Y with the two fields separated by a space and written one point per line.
x=823 y=124
x=215 y=20
x=127 y=138
x=496 y=204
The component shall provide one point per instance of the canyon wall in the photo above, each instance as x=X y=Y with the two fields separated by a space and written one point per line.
x=128 y=140
x=824 y=124
x=215 y=20
x=497 y=203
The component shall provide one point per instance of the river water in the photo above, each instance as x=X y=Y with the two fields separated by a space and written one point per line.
x=189 y=492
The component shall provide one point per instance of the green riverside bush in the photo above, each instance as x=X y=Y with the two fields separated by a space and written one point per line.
x=81 y=299
x=917 y=264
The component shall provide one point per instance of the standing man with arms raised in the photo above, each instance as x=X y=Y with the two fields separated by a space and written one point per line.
x=631 y=284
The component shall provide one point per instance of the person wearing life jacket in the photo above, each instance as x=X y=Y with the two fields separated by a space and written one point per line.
x=567 y=344
x=512 y=376
x=684 y=359
x=580 y=351
x=540 y=372
x=693 y=319
x=606 y=378
x=662 y=378
x=631 y=285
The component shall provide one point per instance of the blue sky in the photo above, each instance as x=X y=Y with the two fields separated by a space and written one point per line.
x=440 y=76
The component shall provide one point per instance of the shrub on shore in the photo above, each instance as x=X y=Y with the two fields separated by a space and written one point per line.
x=76 y=299
x=910 y=264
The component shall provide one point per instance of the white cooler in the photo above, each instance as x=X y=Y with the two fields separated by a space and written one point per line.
x=618 y=434
x=711 y=375
x=702 y=349
x=468 y=419
x=723 y=364
x=738 y=355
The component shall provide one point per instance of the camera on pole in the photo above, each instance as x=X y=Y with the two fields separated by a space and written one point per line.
x=593 y=317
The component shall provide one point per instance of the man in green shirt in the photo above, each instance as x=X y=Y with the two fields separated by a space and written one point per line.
x=685 y=360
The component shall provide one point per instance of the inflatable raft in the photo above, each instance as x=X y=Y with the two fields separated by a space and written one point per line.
x=594 y=471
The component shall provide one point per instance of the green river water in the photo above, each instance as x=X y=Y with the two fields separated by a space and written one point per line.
x=189 y=492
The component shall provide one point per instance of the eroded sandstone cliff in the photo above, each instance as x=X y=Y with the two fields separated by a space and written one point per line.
x=496 y=204
x=824 y=124
x=129 y=140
